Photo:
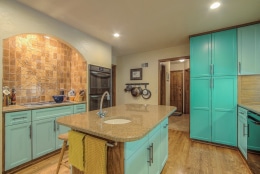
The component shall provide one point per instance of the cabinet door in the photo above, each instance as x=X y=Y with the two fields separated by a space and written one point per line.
x=249 y=49
x=43 y=137
x=137 y=163
x=242 y=131
x=164 y=143
x=224 y=110
x=60 y=129
x=154 y=143
x=17 y=145
x=224 y=53
x=200 y=56
x=200 y=108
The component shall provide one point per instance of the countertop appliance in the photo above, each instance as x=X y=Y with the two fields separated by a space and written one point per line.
x=253 y=141
x=99 y=82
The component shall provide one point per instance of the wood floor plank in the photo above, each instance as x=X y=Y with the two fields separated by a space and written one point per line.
x=185 y=156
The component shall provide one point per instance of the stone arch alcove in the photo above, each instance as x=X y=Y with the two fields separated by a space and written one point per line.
x=38 y=66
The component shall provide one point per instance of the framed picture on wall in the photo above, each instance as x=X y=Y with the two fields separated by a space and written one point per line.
x=136 y=74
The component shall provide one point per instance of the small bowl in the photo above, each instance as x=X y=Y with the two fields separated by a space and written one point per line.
x=58 y=98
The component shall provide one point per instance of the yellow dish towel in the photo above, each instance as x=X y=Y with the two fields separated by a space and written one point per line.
x=76 y=153
x=95 y=156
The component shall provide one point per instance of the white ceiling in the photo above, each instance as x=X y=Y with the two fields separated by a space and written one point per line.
x=146 y=25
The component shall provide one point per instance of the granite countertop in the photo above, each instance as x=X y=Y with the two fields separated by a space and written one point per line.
x=251 y=107
x=14 y=108
x=143 y=119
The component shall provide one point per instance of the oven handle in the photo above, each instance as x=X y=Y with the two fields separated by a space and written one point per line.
x=99 y=74
x=255 y=121
x=95 y=96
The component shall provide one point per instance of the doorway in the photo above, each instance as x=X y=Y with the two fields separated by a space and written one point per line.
x=176 y=90
x=180 y=64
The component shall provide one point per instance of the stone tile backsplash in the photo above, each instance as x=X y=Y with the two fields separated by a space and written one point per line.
x=38 y=67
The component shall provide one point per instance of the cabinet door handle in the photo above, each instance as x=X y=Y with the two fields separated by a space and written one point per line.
x=211 y=83
x=30 y=129
x=240 y=112
x=58 y=127
x=247 y=130
x=149 y=161
x=54 y=125
x=239 y=67
x=210 y=69
x=244 y=125
x=165 y=126
x=152 y=153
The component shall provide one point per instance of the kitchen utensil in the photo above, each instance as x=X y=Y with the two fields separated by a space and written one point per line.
x=146 y=94
x=58 y=98
x=136 y=91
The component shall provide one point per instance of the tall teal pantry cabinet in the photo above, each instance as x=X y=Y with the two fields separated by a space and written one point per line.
x=213 y=87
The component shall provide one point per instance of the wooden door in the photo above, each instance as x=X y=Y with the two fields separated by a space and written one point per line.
x=176 y=90
x=187 y=91
x=163 y=86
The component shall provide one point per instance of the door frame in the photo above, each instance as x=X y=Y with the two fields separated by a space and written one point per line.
x=159 y=72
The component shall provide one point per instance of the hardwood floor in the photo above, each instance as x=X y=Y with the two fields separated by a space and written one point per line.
x=185 y=156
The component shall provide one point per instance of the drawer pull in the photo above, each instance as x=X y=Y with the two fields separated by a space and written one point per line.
x=165 y=126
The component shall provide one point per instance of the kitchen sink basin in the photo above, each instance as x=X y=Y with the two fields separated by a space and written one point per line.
x=117 y=121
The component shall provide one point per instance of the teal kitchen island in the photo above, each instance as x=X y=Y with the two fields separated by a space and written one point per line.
x=136 y=134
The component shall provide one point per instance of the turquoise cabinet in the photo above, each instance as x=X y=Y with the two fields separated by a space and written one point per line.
x=43 y=137
x=46 y=130
x=224 y=110
x=200 y=56
x=137 y=163
x=200 y=110
x=224 y=53
x=242 y=131
x=214 y=54
x=164 y=143
x=17 y=138
x=144 y=156
x=249 y=50
x=213 y=87
x=154 y=151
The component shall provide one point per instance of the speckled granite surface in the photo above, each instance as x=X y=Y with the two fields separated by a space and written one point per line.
x=251 y=107
x=143 y=119
x=14 y=108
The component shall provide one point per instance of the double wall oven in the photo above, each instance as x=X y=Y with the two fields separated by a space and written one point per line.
x=99 y=82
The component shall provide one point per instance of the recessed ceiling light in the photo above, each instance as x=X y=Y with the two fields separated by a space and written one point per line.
x=215 y=5
x=181 y=60
x=116 y=35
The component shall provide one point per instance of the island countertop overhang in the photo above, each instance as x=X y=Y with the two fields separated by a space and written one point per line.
x=143 y=119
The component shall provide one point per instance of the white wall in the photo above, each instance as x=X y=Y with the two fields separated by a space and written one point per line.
x=17 y=19
x=150 y=73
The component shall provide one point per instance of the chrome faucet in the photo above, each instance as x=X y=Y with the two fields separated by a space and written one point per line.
x=100 y=113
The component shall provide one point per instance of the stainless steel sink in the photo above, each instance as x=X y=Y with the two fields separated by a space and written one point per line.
x=117 y=121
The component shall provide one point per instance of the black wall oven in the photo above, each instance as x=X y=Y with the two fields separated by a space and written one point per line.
x=99 y=82
x=253 y=142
